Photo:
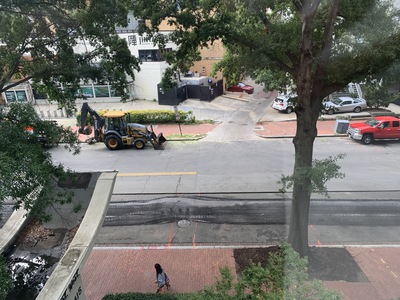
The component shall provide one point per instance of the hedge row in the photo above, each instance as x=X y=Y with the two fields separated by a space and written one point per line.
x=149 y=117
x=153 y=296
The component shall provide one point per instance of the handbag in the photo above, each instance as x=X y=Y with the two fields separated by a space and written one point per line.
x=166 y=277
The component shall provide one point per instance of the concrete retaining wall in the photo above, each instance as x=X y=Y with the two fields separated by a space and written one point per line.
x=65 y=282
x=9 y=232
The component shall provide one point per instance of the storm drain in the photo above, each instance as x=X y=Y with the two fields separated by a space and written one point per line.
x=258 y=128
x=183 y=223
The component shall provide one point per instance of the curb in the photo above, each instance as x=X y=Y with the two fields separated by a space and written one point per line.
x=187 y=139
x=292 y=136
x=235 y=98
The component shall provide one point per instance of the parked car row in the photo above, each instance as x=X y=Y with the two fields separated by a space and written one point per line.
x=286 y=103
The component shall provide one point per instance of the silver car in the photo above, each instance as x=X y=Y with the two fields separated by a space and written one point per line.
x=344 y=104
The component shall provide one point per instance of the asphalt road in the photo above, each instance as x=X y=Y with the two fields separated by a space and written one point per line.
x=241 y=166
x=250 y=210
x=245 y=219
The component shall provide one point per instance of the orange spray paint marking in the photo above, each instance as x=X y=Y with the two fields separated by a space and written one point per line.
x=194 y=236
x=170 y=236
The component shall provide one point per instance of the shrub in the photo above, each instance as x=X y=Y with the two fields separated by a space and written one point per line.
x=140 y=296
x=148 y=117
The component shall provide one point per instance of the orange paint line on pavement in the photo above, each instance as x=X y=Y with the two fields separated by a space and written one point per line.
x=194 y=236
x=170 y=236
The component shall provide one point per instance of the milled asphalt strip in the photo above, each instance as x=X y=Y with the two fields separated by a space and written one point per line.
x=155 y=174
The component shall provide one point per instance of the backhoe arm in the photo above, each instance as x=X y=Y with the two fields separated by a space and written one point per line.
x=97 y=120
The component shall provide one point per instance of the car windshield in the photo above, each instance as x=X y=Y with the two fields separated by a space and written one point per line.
x=372 y=122
x=241 y=84
x=337 y=101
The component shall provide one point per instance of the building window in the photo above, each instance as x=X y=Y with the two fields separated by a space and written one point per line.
x=14 y=96
x=153 y=55
x=101 y=91
x=87 y=91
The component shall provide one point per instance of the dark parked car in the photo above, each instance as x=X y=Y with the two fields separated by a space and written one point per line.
x=241 y=87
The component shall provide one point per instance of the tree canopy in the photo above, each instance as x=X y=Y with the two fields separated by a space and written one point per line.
x=27 y=173
x=316 y=46
x=56 y=44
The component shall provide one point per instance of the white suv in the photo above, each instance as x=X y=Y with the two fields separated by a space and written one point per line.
x=283 y=103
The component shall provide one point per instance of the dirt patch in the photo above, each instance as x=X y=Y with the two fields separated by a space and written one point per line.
x=328 y=264
x=247 y=256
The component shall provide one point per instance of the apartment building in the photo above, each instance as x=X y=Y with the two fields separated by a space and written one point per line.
x=144 y=85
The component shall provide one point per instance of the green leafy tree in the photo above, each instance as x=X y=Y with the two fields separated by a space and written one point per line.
x=58 y=44
x=377 y=94
x=379 y=88
x=6 y=283
x=27 y=173
x=319 y=45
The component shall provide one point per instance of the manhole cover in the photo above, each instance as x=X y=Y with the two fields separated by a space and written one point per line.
x=184 y=223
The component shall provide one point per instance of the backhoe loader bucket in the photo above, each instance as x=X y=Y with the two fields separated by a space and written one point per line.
x=86 y=131
x=158 y=141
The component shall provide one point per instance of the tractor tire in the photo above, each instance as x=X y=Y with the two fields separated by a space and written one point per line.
x=113 y=142
x=139 y=144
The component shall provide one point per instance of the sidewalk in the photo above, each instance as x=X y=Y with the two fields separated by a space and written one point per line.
x=122 y=270
x=287 y=129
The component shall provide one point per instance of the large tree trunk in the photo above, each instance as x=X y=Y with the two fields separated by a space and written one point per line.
x=304 y=143
x=307 y=116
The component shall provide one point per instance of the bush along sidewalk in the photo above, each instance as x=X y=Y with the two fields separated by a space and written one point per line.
x=149 y=117
x=284 y=276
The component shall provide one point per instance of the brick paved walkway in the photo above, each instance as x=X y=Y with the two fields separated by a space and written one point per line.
x=109 y=271
x=288 y=128
x=382 y=268
x=123 y=270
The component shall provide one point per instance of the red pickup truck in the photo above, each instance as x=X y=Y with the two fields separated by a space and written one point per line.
x=377 y=128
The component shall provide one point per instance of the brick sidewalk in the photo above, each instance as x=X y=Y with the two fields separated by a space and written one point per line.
x=288 y=128
x=123 y=270
x=109 y=271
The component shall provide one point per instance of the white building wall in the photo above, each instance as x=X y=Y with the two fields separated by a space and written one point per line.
x=144 y=86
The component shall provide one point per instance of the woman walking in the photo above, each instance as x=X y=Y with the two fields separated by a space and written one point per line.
x=162 y=278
